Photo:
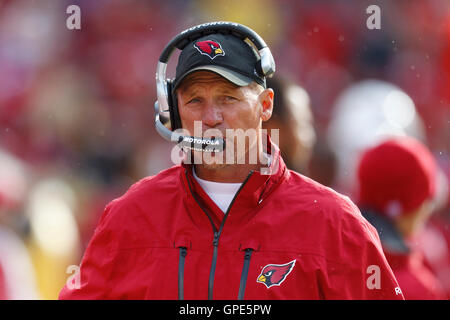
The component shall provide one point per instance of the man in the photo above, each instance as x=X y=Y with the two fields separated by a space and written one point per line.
x=231 y=229
x=397 y=184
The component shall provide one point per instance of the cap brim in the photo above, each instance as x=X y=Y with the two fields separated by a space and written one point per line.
x=232 y=76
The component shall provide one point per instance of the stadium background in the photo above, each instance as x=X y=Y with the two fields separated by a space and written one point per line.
x=76 y=106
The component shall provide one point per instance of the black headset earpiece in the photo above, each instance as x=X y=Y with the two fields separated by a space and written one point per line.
x=259 y=69
x=175 y=120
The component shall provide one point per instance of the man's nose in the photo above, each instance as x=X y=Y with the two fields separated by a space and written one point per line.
x=212 y=115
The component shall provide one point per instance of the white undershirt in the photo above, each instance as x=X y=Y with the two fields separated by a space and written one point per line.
x=221 y=193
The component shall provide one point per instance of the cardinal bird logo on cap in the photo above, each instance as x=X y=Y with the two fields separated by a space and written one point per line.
x=210 y=48
x=274 y=274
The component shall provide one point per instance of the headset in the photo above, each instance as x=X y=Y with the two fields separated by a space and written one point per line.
x=167 y=118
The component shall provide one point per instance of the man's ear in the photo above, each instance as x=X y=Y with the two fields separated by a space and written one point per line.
x=266 y=100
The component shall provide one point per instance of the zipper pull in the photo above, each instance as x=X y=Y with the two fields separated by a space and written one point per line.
x=248 y=254
x=216 y=239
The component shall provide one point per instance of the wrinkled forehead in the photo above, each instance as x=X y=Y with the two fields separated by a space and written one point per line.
x=205 y=78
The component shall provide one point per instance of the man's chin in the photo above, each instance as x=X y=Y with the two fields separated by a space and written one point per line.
x=211 y=160
x=213 y=166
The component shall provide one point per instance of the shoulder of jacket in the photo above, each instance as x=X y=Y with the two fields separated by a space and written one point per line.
x=328 y=206
x=152 y=186
x=143 y=192
x=324 y=198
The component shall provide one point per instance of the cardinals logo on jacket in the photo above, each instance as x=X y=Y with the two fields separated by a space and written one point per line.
x=210 y=48
x=274 y=274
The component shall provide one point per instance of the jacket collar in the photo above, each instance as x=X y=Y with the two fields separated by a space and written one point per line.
x=258 y=185
x=390 y=237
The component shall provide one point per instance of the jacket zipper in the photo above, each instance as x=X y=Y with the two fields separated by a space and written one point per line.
x=243 y=282
x=213 y=265
x=183 y=253
x=217 y=233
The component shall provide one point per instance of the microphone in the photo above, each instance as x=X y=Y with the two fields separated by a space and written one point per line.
x=185 y=141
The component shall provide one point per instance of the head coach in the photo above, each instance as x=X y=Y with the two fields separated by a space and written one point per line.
x=247 y=227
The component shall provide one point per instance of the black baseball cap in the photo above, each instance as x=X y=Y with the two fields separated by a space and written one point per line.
x=223 y=54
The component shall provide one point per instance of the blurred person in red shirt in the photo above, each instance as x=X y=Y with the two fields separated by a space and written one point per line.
x=397 y=182
x=434 y=241
x=17 y=274
x=2 y=285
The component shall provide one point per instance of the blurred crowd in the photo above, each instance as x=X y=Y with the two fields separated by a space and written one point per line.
x=76 y=110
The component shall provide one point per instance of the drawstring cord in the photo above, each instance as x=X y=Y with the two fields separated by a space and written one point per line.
x=244 y=274
x=183 y=253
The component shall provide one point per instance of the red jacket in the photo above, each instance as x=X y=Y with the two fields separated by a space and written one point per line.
x=283 y=237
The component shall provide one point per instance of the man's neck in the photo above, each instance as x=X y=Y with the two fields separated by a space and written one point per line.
x=235 y=173
x=232 y=173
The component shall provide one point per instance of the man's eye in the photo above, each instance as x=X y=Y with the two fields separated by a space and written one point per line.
x=230 y=98
x=194 y=100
